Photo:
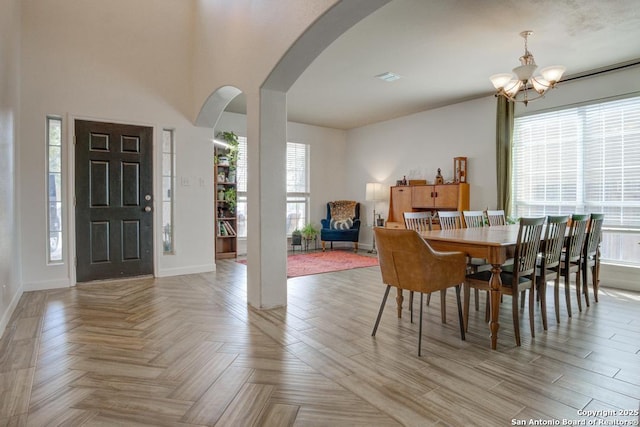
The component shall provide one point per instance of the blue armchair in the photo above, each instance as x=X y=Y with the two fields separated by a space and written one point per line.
x=342 y=223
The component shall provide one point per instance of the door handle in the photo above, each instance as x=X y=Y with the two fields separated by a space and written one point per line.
x=147 y=208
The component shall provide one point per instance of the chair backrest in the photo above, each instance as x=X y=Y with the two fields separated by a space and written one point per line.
x=473 y=219
x=450 y=220
x=527 y=246
x=408 y=262
x=554 y=240
x=594 y=234
x=577 y=233
x=418 y=221
x=496 y=217
x=356 y=208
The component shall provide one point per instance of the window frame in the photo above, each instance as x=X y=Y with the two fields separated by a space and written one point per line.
x=610 y=125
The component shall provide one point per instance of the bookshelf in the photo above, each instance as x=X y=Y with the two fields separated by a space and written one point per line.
x=226 y=222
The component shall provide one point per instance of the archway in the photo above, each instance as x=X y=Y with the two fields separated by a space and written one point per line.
x=267 y=123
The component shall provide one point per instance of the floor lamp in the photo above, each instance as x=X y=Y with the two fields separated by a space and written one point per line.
x=373 y=194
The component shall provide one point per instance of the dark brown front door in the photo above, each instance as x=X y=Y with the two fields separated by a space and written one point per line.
x=114 y=200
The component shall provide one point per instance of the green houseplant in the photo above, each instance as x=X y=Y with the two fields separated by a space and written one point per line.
x=230 y=198
x=232 y=147
x=309 y=231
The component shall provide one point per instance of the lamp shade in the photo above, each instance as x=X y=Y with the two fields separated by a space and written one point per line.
x=373 y=192
x=553 y=73
x=501 y=80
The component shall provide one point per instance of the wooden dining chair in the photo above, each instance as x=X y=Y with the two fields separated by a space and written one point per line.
x=548 y=263
x=421 y=221
x=418 y=221
x=408 y=262
x=496 y=217
x=473 y=219
x=450 y=220
x=570 y=262
x=522 y=276
x=591 y=255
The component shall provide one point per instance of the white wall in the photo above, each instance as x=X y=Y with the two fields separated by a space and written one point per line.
x=10 y=32
x=417 y=145
x=329 y=161
x=88 y=59
x=238 y=43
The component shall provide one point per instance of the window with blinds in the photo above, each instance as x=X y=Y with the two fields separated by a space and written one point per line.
x=297 y=186
x=581 y=160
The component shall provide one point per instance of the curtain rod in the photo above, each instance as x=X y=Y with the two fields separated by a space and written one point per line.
x=603 y=70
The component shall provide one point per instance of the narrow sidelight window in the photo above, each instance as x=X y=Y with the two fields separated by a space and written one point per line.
x=54 y=193
x=168 y=177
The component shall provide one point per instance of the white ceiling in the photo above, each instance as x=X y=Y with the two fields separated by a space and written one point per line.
x=445 y=51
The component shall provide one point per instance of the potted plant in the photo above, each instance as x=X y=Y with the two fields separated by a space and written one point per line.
x=230 y=198
x=296 y=238
x=232 y=151
x=309 y=231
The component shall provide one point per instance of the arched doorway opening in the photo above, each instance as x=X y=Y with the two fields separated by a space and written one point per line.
x=266 y=124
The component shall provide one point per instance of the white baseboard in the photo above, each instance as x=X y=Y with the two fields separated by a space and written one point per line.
x=47 y=284
x=194 y=269
x=619 y=277
x=6 y=316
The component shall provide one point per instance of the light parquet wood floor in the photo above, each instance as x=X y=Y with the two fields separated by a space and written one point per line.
x=188 y=351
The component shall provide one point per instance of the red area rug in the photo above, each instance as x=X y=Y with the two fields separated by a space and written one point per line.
x=325 y=262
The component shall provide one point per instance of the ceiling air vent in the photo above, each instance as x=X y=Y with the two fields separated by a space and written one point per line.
x=388 y=76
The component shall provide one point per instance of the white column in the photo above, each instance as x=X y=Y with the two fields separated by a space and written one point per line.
x=266 y=236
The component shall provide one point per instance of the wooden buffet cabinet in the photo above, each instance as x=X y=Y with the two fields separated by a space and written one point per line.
x=416 y=198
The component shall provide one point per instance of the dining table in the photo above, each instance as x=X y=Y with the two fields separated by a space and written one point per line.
x=496 y=244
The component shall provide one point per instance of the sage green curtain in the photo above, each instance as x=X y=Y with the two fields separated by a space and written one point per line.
x=504 y=137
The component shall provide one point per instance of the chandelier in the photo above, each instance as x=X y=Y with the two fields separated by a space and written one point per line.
x=522 y=80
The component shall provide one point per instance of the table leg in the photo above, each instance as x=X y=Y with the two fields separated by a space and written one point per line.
x=399 y=300
x=496 y=285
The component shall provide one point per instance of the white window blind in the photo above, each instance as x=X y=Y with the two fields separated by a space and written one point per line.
x=581 y=160
x=297 y=180
x=297 y=185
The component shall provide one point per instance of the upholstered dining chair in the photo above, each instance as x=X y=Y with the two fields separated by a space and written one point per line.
x=496 y=217
x=591 y=255
x=408 y=262
x=520 y=278
x=548 y=262
x=473 y=219
x=570 y=261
